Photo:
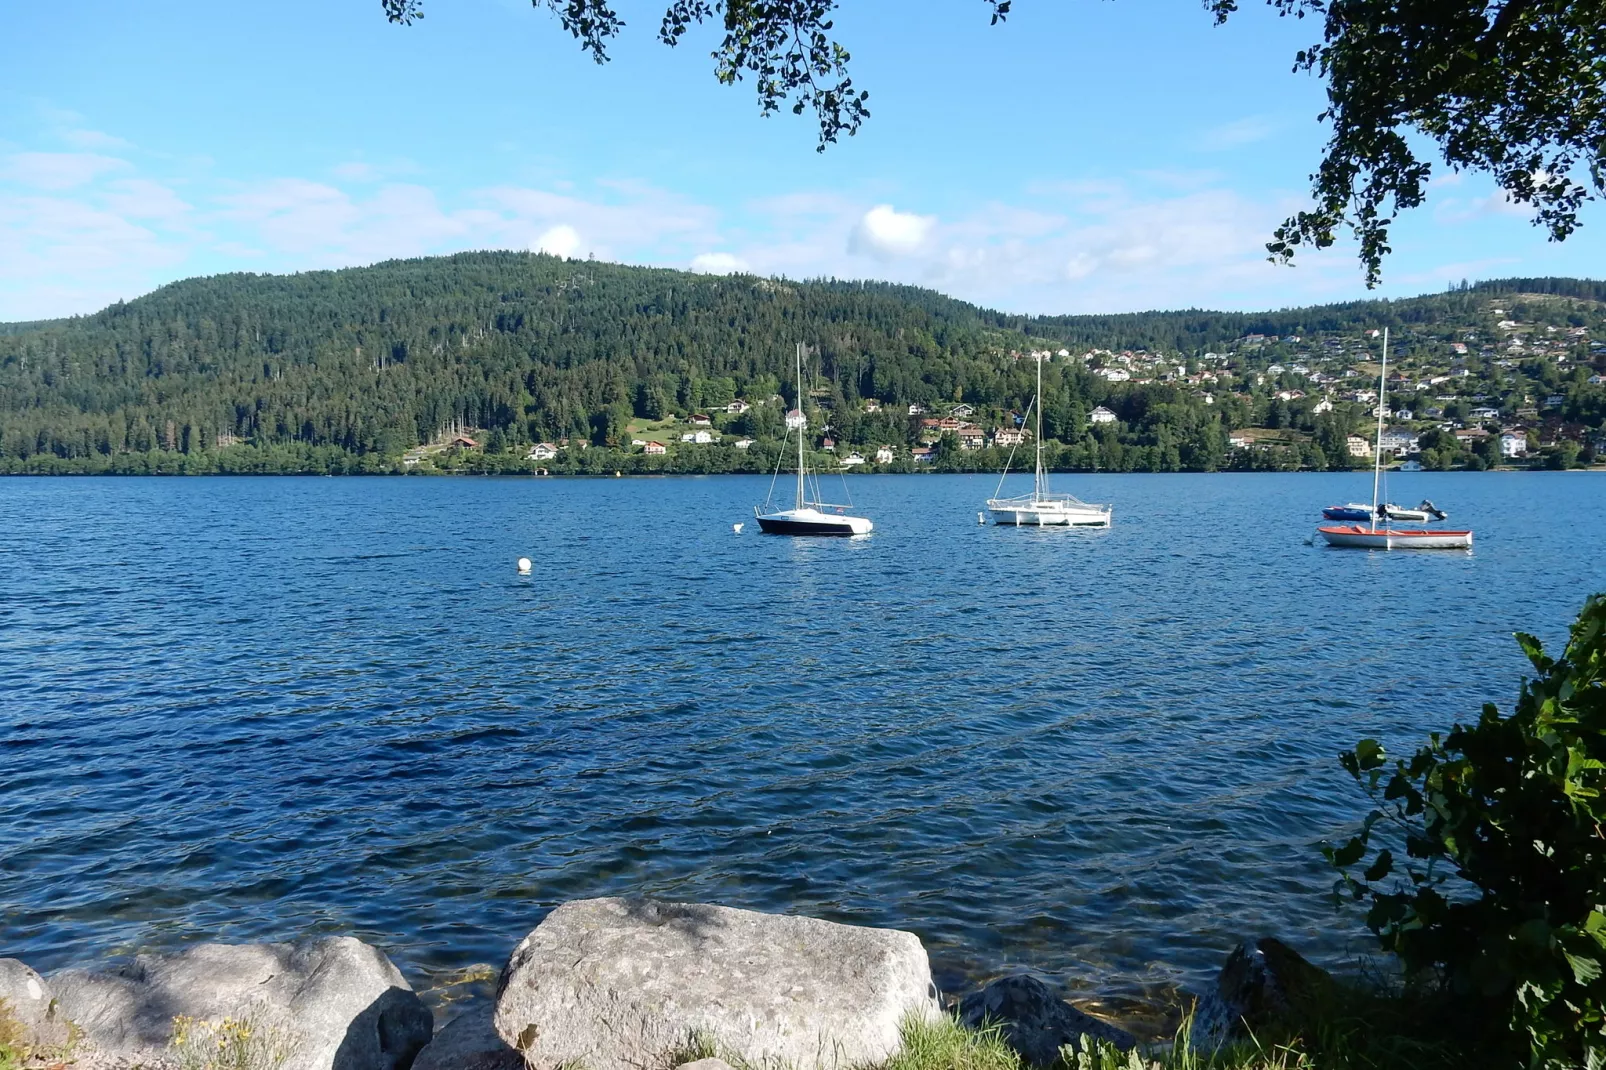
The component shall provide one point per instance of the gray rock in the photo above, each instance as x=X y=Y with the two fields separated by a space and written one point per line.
x=339 y=1003
x=469 y=1042
x=706 y=1064
x=621 y=984
x=1034 y=1020
x=26 y=998
x=1262 y=981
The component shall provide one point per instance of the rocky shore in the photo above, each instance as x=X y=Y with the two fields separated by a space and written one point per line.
x=604 y=984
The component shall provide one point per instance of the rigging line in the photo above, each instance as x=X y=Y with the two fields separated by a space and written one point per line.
x=1000 y=488
x=779 y=457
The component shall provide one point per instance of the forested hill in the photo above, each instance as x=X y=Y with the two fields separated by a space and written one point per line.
x=349 y=370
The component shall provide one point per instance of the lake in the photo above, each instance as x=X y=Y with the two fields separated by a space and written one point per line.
x=248 y=709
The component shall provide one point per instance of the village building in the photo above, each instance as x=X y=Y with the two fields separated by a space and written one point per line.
x=1101 y=415
x=656 y=449
x=884 y=455
x=971 y=438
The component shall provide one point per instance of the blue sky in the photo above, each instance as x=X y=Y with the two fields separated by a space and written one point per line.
x=1086 y=156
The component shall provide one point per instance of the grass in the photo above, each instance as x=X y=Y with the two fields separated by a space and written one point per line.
x=13 y=1039
x=232 y=1044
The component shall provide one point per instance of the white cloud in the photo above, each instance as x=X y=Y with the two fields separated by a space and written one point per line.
x=93 y=139
x=58 y=170
x=1237 y=133
x=355 y=171
x=886 y=232
x=562 y=240
x=718 y=264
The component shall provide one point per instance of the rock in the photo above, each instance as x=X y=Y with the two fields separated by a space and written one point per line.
x=1034 y=1020
x=339 y=1003
x=469 y=1042
x=706 y=1064
x=26 y=1000
x=620 y=984
x=1262 y=981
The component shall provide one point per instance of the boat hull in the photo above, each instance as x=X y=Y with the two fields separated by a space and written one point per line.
x=1365 y=538
x=1347 y=512
x=812 y=522
x=1048 y=516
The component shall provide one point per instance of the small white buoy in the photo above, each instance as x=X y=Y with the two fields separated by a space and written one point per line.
x=737 y=528
x=524 y=566
x=617 y=474
x=980 y=519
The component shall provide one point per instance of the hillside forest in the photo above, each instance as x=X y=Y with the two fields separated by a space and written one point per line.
x=514 y=362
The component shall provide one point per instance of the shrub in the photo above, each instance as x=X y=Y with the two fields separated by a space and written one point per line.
x=1501 y=896
x=232 y=1044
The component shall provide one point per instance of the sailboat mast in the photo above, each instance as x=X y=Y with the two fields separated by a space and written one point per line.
x=1039 y=442
x=1382 y=404
x=802 y=425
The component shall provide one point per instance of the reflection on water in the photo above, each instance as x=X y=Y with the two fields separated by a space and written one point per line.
x=257 y=708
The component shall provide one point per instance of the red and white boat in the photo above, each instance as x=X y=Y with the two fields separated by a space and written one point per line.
x=1363 y=537
x=1369 y=536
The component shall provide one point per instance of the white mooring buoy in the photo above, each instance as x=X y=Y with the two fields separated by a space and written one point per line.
x=524 y=566
x=980 y=519
x=737 y=528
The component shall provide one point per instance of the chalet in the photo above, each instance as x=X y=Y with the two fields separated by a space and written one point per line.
x=1469 y=436
x=1358 y=446
x=656 y=449
x=829 y=445
x=1513 y=442
x=1324 y=405
x=884 y=455
x=852 y=460
x=700 y=420
x=638 y=442
x=1008 y=436
x=701 y=438
x=950 y=423
x=541 y=451
x=743 y=443
x=1115 y=375
x=872 y=405
x=463 y=442
x=1101 y=415
x=961 y=412
x=794 y=419
x=1485 y=413
x=922 y=454
x=737 y=407
x=971 y=438
x=1398 y=441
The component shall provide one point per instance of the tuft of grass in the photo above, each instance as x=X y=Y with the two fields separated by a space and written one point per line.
x=14 y=1049
x=944 y=1044
x=232 y=1044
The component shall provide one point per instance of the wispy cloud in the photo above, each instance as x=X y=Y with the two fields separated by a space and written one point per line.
x=1239 y=132
x=58 y=170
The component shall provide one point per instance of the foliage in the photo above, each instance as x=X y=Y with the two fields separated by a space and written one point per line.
x=1502 y=891
x=343 y=371
x=232 y=1044
x=13 y=1039
x=1512 y=88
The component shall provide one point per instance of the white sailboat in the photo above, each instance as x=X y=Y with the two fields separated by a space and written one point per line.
x=807 y=517
x=1369 y=536
x=1042 y=508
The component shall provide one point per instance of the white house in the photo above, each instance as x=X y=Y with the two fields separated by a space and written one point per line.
x=1486 y=413
x=656 y=449
x=1358 y=446
x=917 y=410
x=884 y=455
x=688 y=437
x=852 y=460
x=1399 y=441
x=1324 y=405
x=1101 y=415
x=961 y=412
x=1513 y=443
x=1008 y=436
x=542 y=451
x=1115 y=375
x=638 y=442
x=699 y=420
x=737 y=407
x=743 y=443
x=794 y=419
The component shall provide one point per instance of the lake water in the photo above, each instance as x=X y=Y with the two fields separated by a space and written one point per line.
x=247 y=709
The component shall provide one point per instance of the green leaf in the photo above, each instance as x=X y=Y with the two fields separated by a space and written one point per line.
x=1350 y=853
x=1380 y=868
x=1585 y=969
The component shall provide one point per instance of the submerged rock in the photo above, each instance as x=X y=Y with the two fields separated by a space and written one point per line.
x=1262 y=981
x=332 y=1003
x=469 y=1042
x=1034 y=1020
x=619 y=984
x=30 y=1005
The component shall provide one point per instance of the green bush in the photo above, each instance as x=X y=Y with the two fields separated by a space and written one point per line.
x=1501 y=895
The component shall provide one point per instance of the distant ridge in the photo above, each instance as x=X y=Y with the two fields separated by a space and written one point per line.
x=363 y=363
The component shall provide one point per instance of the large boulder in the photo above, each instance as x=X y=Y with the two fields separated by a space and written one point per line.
x=621 y=984
x=1034 y=1020
x=334 y=1002
x=1262 y=981
x=469 y=1042
x=28 y=1009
